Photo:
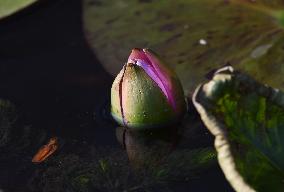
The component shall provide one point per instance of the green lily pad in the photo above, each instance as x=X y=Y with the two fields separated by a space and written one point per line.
x=193 y=36
x=8 y=7
x=247 y=120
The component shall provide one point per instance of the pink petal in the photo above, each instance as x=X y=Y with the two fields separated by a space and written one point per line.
x=153 y=67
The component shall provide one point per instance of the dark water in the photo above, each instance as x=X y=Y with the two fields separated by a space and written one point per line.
x=60 y=89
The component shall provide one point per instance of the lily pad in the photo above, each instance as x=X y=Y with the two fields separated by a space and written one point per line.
x=193 y=36
x=8 y=7
x=247 y=120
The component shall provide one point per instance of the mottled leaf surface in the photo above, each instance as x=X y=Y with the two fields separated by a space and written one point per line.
x=248 y=119
x=193 y=36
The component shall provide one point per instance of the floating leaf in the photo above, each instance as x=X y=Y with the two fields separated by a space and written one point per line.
x=8 y=7
x=193 y=36
x=247 y=120
x=45 y=151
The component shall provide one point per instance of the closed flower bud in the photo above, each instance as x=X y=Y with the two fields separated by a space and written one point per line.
x=146 y=93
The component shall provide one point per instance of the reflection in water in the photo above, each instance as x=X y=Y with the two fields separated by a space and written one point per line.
x=147 y=147
x=157 y=152
x=150 y=160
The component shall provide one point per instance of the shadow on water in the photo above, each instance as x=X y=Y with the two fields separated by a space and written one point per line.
x=49 y=72
x=56 y=82
x=48 y=69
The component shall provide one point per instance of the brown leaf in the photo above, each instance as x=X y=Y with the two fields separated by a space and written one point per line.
x=45 y=151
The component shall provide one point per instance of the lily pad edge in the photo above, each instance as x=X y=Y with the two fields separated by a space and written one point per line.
x=221 y=143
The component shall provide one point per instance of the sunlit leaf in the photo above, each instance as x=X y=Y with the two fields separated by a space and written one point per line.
x=8 y=7
x=247 y=119
x=193 y=36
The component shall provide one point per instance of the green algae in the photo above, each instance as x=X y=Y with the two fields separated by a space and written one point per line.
x=108 y=169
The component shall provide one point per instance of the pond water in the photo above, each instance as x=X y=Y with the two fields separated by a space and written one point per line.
x=60 y=90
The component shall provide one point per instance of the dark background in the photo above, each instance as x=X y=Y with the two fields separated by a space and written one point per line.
x=46 y=65
x=48 y=70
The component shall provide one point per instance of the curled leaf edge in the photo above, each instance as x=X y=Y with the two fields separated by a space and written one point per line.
x=217 y=128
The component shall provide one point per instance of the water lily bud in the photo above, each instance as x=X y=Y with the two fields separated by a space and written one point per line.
x=146 y=93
